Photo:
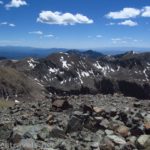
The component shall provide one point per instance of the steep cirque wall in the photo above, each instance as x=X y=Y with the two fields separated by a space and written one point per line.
x=65 y=73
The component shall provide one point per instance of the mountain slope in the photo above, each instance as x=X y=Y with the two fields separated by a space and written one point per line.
x=16 y=85
x=76 y=72
x=69 y=73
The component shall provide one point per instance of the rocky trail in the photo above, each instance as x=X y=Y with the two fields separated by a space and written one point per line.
x=84 y=122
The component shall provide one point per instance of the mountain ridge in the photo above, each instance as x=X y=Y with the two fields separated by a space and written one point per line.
x=20 y=52
x=70 y=73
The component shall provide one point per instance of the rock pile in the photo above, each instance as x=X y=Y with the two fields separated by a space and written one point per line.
x=77 y=123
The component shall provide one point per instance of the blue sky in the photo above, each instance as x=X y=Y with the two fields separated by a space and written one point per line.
x=75 y=23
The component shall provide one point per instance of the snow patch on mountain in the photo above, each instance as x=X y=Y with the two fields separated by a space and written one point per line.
x=146 y=76
x=64 y=63
x=32 y=63
x=53 y=70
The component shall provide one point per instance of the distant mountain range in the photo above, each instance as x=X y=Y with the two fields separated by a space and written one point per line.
x=76 y=72
x=13 y=52
x=16 y=52
x=88 y=53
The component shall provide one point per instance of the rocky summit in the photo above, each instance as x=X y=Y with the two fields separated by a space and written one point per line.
x=84 y=122
x=75 y=101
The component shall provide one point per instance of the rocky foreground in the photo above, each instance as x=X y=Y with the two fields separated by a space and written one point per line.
x=100 y=122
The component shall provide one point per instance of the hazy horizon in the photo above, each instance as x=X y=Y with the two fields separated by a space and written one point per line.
x=121 y=48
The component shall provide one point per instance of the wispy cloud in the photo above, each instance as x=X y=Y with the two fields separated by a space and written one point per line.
x=99 y=36
x=49 y=35
x=1 y=2
x=12 y=25
x=7 y=24
x=89 y=36
x=125 y=40
x=135 y=40
x=59 y=18
x=118 y=41
x=110 y=24
x=15 y=3
x=128 y=23
x=41 y=34
x=95 y=36
x=36 y=32
x=3 y=23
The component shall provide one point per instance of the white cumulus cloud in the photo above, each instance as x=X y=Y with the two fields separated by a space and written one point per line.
x=36 y=32
x=146 y=11
x=128 y=23
x=127 y=13
x=124 y=14
x=59 y=18
x=16 y=4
